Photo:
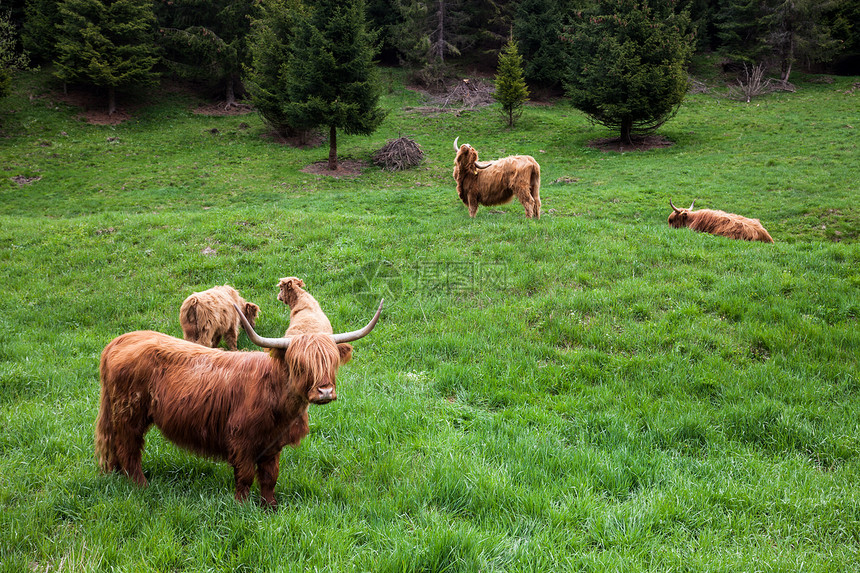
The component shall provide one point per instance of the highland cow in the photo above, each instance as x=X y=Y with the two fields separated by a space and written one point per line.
x=243 y=407
x=306 y=316
x=207 y=317
x=719 y=223
x=497 y=182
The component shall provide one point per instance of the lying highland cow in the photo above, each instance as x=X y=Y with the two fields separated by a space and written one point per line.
x=207 y=317
x=498 y=181
x=719 y=223
x=243 y=407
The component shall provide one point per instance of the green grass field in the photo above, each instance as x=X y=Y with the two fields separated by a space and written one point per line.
x=593 y=391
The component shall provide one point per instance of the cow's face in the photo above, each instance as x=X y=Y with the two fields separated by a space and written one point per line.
x=289 y=290
x=251 y=312
x=466 y=158
x=313 y=361
x=679 y=218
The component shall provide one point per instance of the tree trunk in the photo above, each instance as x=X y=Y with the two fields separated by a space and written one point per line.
x=111 y=100
x=230 y=94
x=627 y=131
x=332 y=148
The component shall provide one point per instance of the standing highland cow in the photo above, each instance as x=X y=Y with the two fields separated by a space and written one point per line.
x=243 y=407
x=719 y=223
x=498 y=181
x=207 y=317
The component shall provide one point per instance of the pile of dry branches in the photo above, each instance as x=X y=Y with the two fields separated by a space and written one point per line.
x=398 y=154
x=469 y=94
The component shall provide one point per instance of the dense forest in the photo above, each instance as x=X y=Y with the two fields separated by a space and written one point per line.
x=117 y=44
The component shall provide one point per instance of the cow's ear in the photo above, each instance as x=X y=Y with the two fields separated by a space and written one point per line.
x=345 y=351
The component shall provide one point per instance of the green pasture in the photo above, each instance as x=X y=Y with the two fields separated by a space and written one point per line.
x=593 y=391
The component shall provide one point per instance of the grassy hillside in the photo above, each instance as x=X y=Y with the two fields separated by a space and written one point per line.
x=593 y=391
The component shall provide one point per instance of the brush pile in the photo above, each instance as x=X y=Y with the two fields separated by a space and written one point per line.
x=469 y=94
x=398 y=154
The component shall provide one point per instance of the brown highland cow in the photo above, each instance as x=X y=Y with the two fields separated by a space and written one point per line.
x=719 y=223
x=243 y=407
x=207 y=317
x=498 y=181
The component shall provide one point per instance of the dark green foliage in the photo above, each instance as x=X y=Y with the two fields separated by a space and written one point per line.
x=205 y=39
x=628 y=68
x=266 y=78
x=39 y=30
x=511 y=91
x=10 y=59
x=537 y=30
x=106 y=44
x=779 y=33
x=332 y=80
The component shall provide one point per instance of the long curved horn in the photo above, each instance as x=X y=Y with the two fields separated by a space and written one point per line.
x=356 y=334
x=484 y=166
x=455 y=144
x=691 y=204
x=284 y=343
x=261 y=341
x=675 y=209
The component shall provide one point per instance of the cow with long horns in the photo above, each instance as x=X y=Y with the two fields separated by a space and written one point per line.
x=719 y=223
x=243 y=407
x=496 y=182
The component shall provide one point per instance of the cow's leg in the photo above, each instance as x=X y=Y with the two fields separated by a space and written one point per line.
x=535 y=192
x=473 y=206
x=524 y=194
x=267 y=475
x=131 y=421
x=128 y=445
x=243 y=473
x=230 y=338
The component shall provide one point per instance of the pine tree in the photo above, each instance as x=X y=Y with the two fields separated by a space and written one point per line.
x=332 y=80
x=269 y=45
x=629 y=64
x=107 y=43
x=511 y=91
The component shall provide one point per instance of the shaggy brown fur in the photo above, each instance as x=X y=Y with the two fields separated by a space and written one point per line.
x=719 y=223
x=306 y=316
x=243 y=407
x=207 y=317
x=497 y=182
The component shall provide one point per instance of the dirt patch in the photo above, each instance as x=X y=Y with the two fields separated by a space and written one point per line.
x=219 y=109
x=645 y=143
x=93 y=106
x=21 y=180
x=345 y=168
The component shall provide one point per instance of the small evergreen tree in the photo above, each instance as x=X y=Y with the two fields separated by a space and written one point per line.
x=629 y=64
x=331 y=79
x=511 y=91
x=107 y=43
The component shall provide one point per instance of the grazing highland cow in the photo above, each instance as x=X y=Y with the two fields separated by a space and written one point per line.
x=207 y=317
x=498 y=181
x=719 y=223
x=243 y=407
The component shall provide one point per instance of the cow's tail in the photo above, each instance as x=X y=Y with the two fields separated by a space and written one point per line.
x=189 y=322
x=104 y=437
x=535 y=187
